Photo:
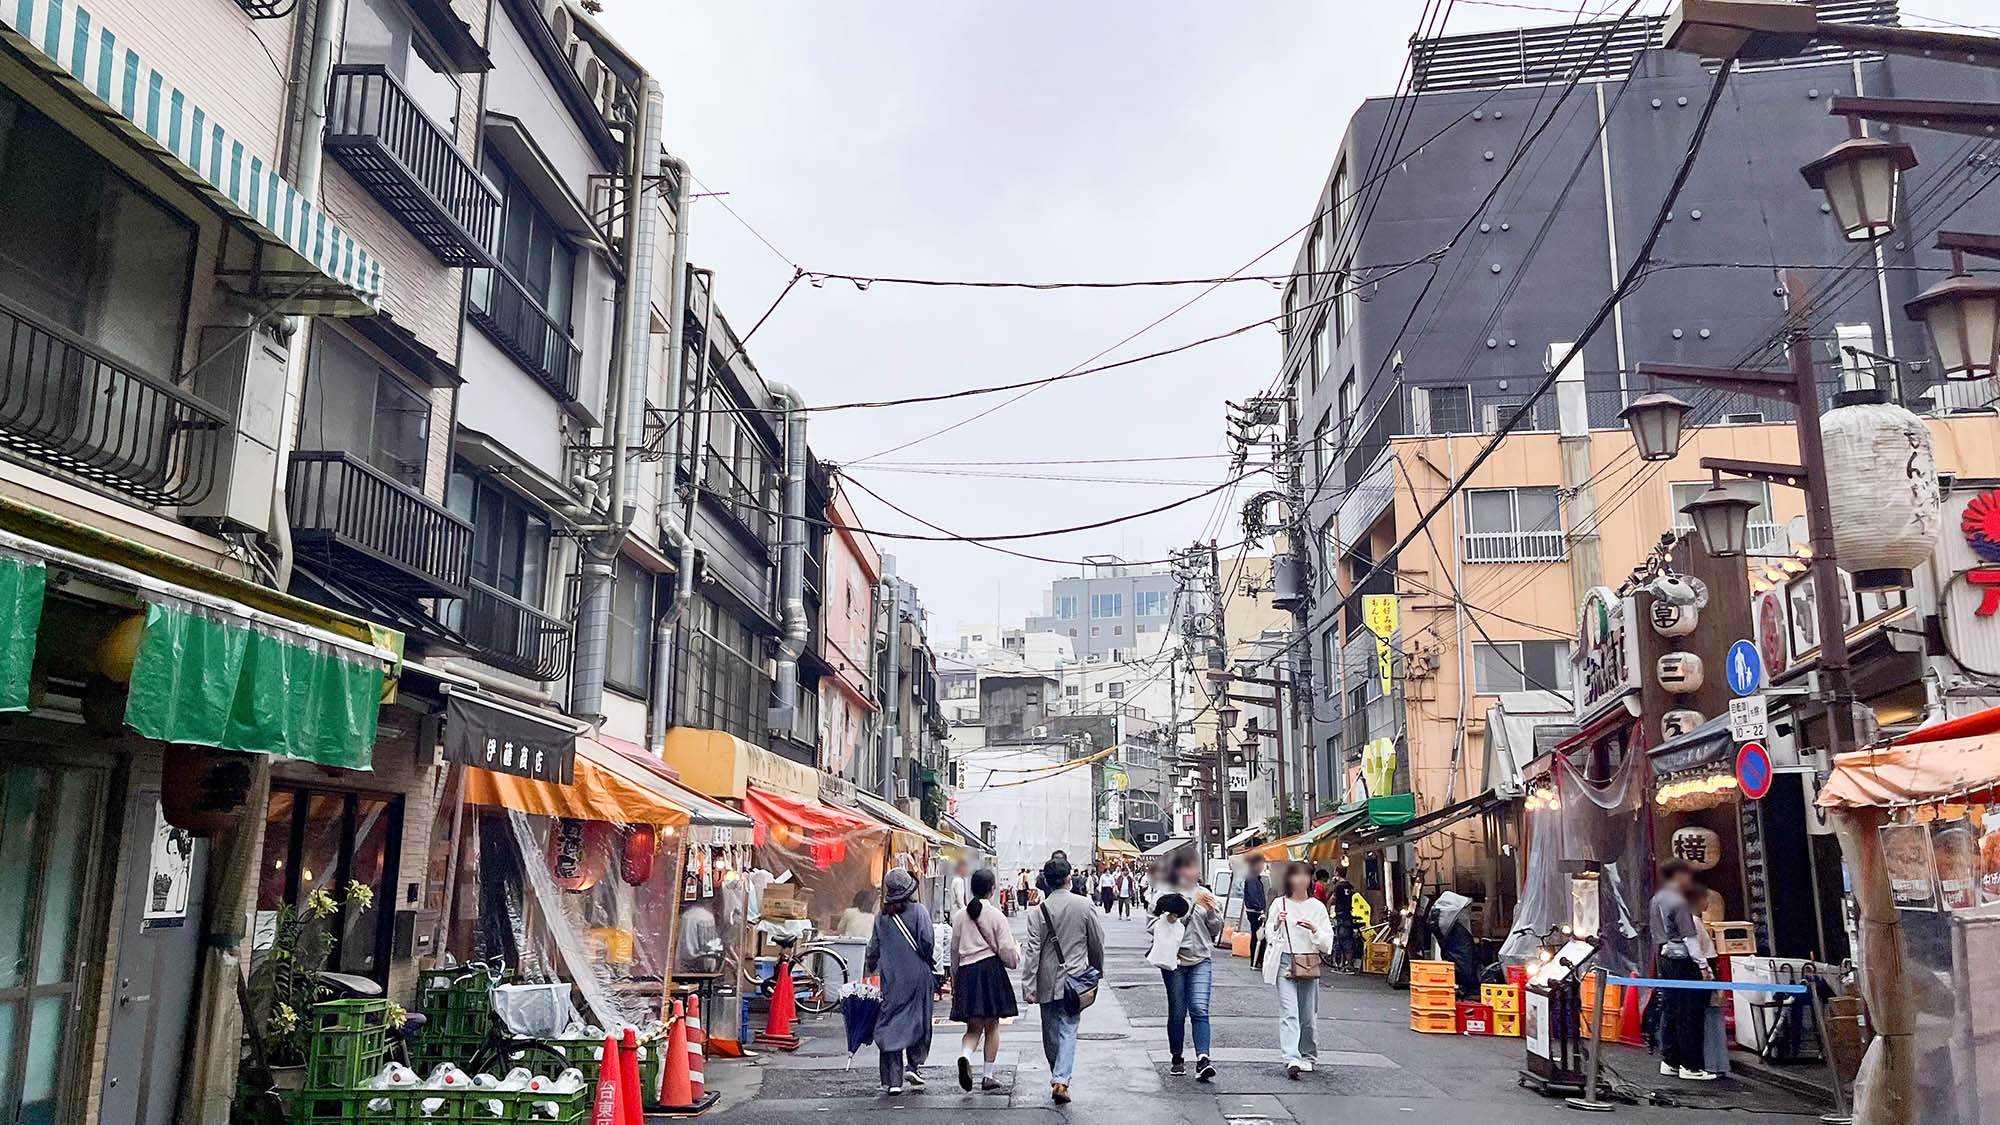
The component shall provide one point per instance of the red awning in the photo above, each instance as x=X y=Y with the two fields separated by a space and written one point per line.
x=1965 y=726
x=811 y=830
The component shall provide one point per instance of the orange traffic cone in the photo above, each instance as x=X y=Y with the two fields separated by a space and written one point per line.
x=697 y=1076
x=605 y=1109
x=784 y=1006
x=680 y=1093
x=1630 y=1032
x=632 y=1097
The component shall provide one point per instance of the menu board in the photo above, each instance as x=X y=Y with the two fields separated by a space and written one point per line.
x=1912 y=867
x=1956 y=852
x=1989 y=858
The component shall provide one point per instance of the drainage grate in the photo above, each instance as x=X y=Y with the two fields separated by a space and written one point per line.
x=1101 y=1036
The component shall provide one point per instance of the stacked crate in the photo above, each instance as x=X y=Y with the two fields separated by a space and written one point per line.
x=1433 y=997
x=1506 y=1001
x=586 y=1055
x=458 y=1011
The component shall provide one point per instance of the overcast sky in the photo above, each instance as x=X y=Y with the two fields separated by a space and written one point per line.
x=1043 y=140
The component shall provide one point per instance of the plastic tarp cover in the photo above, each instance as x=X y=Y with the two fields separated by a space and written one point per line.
x=830 y=858
x=1574 y=824
x=22 y=584
x=208 y=680
x=1036 y=804
x=587 y=902
x=1953 y=769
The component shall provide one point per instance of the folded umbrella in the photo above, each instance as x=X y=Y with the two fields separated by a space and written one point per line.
x=859 y=1011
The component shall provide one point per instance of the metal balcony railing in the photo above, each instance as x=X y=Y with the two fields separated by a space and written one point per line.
x=1513 y=546
x=378 y=133
x=377 y=528
x=543 y=347
x=514 y=635
x=67 y=406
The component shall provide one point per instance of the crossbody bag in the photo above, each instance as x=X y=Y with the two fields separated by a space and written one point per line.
x=1080 y=988
x=1303 y=966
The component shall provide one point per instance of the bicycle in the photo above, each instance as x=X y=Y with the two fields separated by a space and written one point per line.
x=818 y=971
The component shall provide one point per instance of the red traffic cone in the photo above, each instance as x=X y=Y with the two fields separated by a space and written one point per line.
x=697 y=1042
x=1630 y=1032
x=631 y=1100
x=674 y=1089
x=784 y=1006
x=605 y=1108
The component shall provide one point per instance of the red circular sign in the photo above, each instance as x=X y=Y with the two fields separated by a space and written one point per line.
x=1753 y=770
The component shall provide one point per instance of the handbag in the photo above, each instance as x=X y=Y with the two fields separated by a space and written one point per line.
x=1304 y=966
x=1080 y=989
x=1166 y=949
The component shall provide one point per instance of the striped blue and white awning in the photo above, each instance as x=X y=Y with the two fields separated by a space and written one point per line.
x=310 y=264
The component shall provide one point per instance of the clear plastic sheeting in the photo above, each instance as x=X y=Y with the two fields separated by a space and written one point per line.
x=827 y=863
x=1036 y=802
x=1586 y=866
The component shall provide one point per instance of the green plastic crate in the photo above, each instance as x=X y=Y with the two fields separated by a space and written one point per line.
x=349 y=1015
x=345 y=1107
x=343 y=1060
x=459 y=1023
x=528 y=1107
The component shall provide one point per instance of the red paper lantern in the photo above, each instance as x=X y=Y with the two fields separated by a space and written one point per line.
x=635 y=861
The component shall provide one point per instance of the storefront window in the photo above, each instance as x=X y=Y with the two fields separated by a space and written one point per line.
x=322 y=839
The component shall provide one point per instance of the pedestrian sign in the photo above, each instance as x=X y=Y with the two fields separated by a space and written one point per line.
x=1744 y=668
x=1753 y=770
x=1750 y=718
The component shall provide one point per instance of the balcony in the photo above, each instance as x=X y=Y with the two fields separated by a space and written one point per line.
x=1513 y=546
x=505 y=311
x=68 y=407
x=411 y=166
x=374 y=528
x=509 y=633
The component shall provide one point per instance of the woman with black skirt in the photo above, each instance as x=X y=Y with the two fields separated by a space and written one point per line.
x=982 y=991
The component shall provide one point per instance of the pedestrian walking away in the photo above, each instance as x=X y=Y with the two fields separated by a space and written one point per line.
x=1186 y=902
x=1682 y=1012
x=982 y=993
x=900 y=950
x=1300 y=936
x=1346 y=942
x=1065 y=947
x=1256 y=898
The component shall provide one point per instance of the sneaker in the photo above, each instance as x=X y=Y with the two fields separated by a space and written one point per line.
x=1697 y=1075
x=1059 y=1093
x=990 y=1083
x=1668 y=1070
x=1292 y=1072
x=1204 y=1071
x=895 y=1090
x=915 y=1080
x=1178 y=1068
x=1306 y=1066
x=964 y=1073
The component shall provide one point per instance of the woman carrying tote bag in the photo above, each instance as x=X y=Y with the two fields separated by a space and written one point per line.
x=1299 y=933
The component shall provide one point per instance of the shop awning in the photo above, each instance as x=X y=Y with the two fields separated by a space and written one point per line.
x=1117 y=848
x=304 y=261
x=23 y=580
x=1243 y=839
x=967 y=835
x=607 y=786
x=902 y=822
x=1965 y=726
x=1322 y=835
x=490 y=733
x=1167 y=847
x=1426 y=824
x=1706 y=745
x=702 y=809
x=1961 y=769
x=770 y=809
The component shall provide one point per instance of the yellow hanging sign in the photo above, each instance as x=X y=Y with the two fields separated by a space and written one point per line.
x=1379 y=611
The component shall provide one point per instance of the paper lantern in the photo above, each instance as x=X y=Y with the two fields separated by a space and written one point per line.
x=1670 y=620
x=1680 y=672
x=1881 y=480
x=1680 y=721
x=635 y=858
x=1699 y=848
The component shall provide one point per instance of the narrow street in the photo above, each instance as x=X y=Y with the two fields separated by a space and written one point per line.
x=1372 y=1067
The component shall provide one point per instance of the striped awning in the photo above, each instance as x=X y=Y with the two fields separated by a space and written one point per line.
x=306 y=262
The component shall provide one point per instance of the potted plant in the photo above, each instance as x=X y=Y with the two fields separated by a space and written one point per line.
x=285 y=983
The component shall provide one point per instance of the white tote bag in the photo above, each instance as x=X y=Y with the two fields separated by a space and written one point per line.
x=1167 y=935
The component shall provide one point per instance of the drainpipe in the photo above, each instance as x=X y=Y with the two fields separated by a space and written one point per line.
x=697 y=386
x=677 y=538
x=327 y=22
x=792 y=547
x=625 y=412
x=892 y=725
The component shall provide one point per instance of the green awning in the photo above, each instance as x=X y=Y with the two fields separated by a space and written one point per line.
x=22 y=582
x=213 y=679
x=1393 y=809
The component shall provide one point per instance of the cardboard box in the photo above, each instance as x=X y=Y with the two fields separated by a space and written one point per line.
x=1733 y=939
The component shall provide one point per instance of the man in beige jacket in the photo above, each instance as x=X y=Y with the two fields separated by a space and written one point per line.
x=1064 y=939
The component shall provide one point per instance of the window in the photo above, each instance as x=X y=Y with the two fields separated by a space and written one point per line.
x=1441 y=410
x=742 y=470
x=1097 y=630
x=1350 y=403
x=1513 y=525
x=510 y=537
x=1151 y=603
x=1322 y=450
x=1071 y=690
x=1340 y=208
x=1066 y=608
x=356 y=406
x=86 y=250
x=1764 y=528
x=1116 y=689
x=1329 y=659
x=1097 y=689
x=1520 y=666
x=630 y=661
x=978 y=637
x=1291 y=305
x=1118 y=630
x=385 y=33
x=532 y=250
x=322 y=839
x=1107 y=605
x=1072 y=632
x=1329 y=555
x=723 y=686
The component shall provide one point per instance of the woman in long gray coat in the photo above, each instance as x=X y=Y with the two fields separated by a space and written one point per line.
x=900 y=950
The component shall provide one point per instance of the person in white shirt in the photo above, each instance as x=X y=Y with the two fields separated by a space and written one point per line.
x=1107 y=889
x=1298 y=935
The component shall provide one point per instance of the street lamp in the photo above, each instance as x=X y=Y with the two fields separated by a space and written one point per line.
x=1722 y=521
x=1655 y=420
x=1861 y=178
x=1225 y=713
x=1962 y=315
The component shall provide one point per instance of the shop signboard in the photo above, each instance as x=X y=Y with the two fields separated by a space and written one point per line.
x=1606 y=657
x=508 y=738
x=1857 y=610
x=1969 y=565
x=1379 y=611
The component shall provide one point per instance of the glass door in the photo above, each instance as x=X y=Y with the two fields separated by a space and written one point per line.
x=48 y=854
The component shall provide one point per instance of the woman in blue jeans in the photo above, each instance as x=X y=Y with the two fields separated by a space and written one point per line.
x=1185 y=900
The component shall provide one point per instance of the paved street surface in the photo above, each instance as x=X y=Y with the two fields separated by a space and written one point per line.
x=1372 y=1067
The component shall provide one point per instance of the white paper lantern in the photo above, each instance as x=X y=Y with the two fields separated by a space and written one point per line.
x=1680 y=721
x=1680 y=672
x=1882 y=481
x=1699 y=848
x=1670 y=620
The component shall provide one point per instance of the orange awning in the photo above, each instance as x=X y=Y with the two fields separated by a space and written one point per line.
x=609 y=786
x=1954 y=769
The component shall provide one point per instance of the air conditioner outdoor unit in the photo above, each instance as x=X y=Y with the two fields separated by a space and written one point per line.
x=241 y=373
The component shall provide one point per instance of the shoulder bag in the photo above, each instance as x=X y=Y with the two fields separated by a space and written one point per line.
x=1079 y=988
x=1304 y=966
x=929 y=955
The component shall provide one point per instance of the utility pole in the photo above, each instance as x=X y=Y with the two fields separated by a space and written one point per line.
x=1586 y=566
x=1221 y=642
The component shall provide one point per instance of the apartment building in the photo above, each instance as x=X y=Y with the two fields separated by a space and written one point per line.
x=1109 y=611
x=1388 y=407
x=849 y=702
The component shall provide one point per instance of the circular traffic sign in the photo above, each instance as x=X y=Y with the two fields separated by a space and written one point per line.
x=1744 y=668
x=1753 y=770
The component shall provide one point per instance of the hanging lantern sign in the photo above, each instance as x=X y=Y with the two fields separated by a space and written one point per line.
x=635 y=858
x=1699 y=848
x=1881 y=480
x=1680 y=721
x=1670 y=620
x=1680 y=672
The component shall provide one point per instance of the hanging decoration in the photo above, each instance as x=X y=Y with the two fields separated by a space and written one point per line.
x=1700 y=848
x=1680 y=672
x=1678 y=600
x=635 y=858
x=1881 y=479
x=1680 y=721
x=577 y=853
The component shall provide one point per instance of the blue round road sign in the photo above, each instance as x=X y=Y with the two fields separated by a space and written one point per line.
x=1753 y=770
x=1744 y=668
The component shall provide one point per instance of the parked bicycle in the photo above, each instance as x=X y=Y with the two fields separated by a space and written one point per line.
x=818 y=971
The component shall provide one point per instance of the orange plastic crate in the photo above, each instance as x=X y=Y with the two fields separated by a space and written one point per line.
x=1504 y=998
x=1424 y=998
x=1432 y=974
x=1507 y=1024
x=1435 y=1023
